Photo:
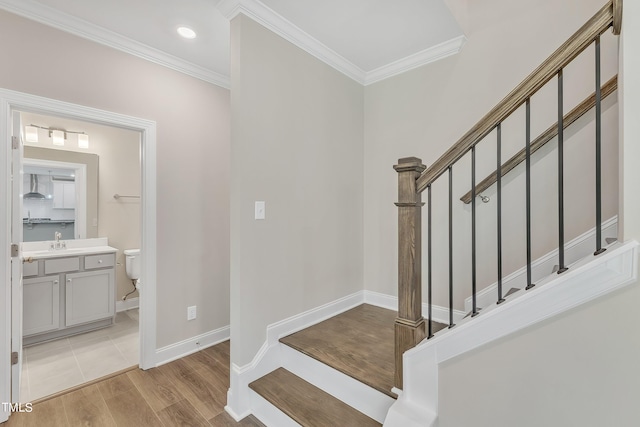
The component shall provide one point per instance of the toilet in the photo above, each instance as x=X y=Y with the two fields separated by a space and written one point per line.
x=132 y=265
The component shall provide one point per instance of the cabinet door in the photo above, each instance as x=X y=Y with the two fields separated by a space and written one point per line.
x=58 y=195
x=64 y=195
x=90 y=296
x=69 y=195
x=41 y=305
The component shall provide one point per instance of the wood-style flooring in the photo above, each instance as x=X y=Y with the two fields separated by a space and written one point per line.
x=187 y=392
x=306 y=404
x=358 y=343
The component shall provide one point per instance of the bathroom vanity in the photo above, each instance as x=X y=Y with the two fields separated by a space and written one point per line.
x=67 y=291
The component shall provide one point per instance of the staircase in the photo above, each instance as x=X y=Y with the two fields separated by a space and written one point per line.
x=337 y=372
x=370 y=365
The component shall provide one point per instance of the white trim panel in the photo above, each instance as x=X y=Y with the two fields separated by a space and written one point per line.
x=590 y=278
x=191 y=345
x=54 y=18
x=576 y=249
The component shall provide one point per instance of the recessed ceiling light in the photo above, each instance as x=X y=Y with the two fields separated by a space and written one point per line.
x=187 y=32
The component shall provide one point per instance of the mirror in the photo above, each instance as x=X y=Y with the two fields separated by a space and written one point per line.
x=68 y=182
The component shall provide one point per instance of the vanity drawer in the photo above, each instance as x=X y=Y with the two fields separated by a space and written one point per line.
x=30 y=268
x=99 y=261
x=60 y=265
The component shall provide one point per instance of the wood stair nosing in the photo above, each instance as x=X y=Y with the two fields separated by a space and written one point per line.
x=306 y=404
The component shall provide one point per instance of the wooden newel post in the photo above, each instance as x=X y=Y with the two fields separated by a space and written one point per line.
x=409 y=325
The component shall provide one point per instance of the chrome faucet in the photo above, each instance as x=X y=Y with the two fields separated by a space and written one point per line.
x=58 y=244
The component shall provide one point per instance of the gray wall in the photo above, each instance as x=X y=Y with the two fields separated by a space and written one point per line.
x=580 y=369
x=297 y=143
x=192 y=157
x=424 y=111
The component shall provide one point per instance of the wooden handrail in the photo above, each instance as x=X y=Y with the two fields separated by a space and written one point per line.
x=597 y=25
x=586 y=105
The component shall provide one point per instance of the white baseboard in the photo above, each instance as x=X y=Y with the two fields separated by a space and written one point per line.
x=127 y=304
x=440 y=314
x=269 y=356
x=191 y=345
x=542 y=267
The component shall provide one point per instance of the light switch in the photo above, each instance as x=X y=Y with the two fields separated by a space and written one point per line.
x=260 y=210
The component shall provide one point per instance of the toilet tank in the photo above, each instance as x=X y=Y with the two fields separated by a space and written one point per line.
x=132 y=263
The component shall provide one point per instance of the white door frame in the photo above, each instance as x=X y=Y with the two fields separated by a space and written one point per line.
x=11 y=101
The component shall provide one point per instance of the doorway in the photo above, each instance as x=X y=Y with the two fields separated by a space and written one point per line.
x=10 y=324
x=59 y=346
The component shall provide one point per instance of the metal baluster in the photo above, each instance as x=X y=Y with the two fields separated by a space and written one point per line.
x=499 y=208
x=528 y=190
x=561 y=267
x=429 y=308
x=599 y=248
x=474 y=311
x=451 y=324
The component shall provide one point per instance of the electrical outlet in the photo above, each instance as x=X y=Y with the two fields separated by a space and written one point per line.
x=191 y=312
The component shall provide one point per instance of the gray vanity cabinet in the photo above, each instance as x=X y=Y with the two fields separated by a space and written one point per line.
x=70 y=295
x=89 y=296
x=42 y=301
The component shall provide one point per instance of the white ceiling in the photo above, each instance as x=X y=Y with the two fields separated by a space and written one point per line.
x=368 y=40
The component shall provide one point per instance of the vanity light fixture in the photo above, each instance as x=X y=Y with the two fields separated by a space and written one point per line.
x=83 y=140
x=31 y=133
x=58 y=136
x=187 y=32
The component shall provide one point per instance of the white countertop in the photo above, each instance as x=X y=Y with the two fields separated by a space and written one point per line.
x=40 y=250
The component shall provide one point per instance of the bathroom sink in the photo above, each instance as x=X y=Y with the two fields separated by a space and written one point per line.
x=40 y=250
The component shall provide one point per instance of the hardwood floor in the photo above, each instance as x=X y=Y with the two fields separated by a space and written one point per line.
x=187 y=392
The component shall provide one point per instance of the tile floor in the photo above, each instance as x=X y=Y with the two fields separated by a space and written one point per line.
x=54 y=366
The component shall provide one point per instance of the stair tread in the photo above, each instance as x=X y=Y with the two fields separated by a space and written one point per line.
x=358 y=343
x=306 y=404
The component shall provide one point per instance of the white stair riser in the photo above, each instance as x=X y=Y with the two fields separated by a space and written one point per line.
x=268 y=414
x=359 y=396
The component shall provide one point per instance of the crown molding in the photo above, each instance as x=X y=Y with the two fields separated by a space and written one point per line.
x=271 y=20
x=432 y=54
x=268 y=18
x=81 y=28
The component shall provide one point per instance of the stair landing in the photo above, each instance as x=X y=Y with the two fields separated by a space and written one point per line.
x=358 y=343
